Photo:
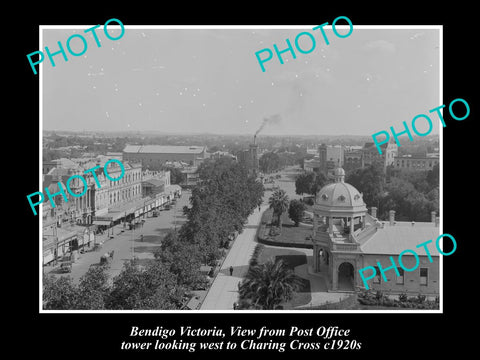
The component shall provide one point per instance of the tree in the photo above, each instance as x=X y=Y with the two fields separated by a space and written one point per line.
x=176 y=175
x=59 y=294
x=153 y=287
x=408 y=203
x=269 y=162
x=433 y=197
x=320 y=181
x=304 y=182
x=310 y=183
x=433 y=177
x=278 y=201
x=295 y=211
x=93 y=289
x=219 y=206
x=369 y=181
x=182 y=259
x=268 y=285
x=417 y=178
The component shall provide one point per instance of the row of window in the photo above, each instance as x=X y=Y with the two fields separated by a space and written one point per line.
x=400 y=280
x=416 y=163
x=127 y=178
x=125 y=194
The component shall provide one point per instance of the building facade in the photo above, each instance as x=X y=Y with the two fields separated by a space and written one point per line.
x=153 y=157
x=353 y=159
x=154 y=182
x=330 y=156
x=346 y=238
x=372 y=156
x=312 y=165
x=415 y=163
x=67 y=223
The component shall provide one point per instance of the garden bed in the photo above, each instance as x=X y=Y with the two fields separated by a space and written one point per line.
x=292 y=259
x=369 y=299
x=290 y=235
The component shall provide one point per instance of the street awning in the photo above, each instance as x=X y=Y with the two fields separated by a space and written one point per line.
x=101 y=222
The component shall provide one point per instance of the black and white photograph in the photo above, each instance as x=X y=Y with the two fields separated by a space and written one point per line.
x=241 y=189
x=209 y=187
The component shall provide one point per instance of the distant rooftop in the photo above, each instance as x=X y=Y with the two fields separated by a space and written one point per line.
x=164 y=149
x=64 y=163
x=371 y=145
x=353 y=147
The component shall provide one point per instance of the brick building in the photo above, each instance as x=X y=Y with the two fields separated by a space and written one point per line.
x=415 y=163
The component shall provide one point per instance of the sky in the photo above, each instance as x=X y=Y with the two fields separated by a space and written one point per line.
x=209 y=81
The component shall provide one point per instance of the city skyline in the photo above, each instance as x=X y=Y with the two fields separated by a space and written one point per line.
x=208 y=81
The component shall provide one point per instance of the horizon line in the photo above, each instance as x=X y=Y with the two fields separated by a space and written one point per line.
x=150 y=132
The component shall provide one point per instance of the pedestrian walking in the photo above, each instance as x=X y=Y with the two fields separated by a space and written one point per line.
x=258 y=207
x=234 y=306
x=231 y=270
x=141 y=238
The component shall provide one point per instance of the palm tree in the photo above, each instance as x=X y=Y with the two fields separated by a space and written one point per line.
x=268 y=285
x=279 y=203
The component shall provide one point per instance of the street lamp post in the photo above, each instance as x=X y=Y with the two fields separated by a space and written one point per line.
x=133 y=243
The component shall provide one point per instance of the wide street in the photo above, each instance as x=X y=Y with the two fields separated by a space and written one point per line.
x=223 y=292
x=126 y=242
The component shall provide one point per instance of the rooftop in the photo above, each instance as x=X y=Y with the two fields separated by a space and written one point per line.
x=164 y=149
x=154 y=182
x=64 y=163
x=371 y=145
x=394 y=239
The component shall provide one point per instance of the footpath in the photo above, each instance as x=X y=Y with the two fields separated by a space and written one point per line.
x=224 y=289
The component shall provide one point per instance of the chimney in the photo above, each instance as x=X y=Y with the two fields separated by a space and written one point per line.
x=391 y=217
x=434 y=216
x=374 y=211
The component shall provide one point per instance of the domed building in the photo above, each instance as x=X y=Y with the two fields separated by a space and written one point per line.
x=346 y=238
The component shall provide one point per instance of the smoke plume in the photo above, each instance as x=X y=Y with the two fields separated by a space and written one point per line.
x=274 y=119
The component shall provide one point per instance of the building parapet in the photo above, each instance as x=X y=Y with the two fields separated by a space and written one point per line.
x=345 y=247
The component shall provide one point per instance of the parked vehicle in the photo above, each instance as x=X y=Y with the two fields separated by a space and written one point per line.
x=66 y=267
x=155 y=213
x=105 y=259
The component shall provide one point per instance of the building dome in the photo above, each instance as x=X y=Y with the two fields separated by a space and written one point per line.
x=340 y=195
